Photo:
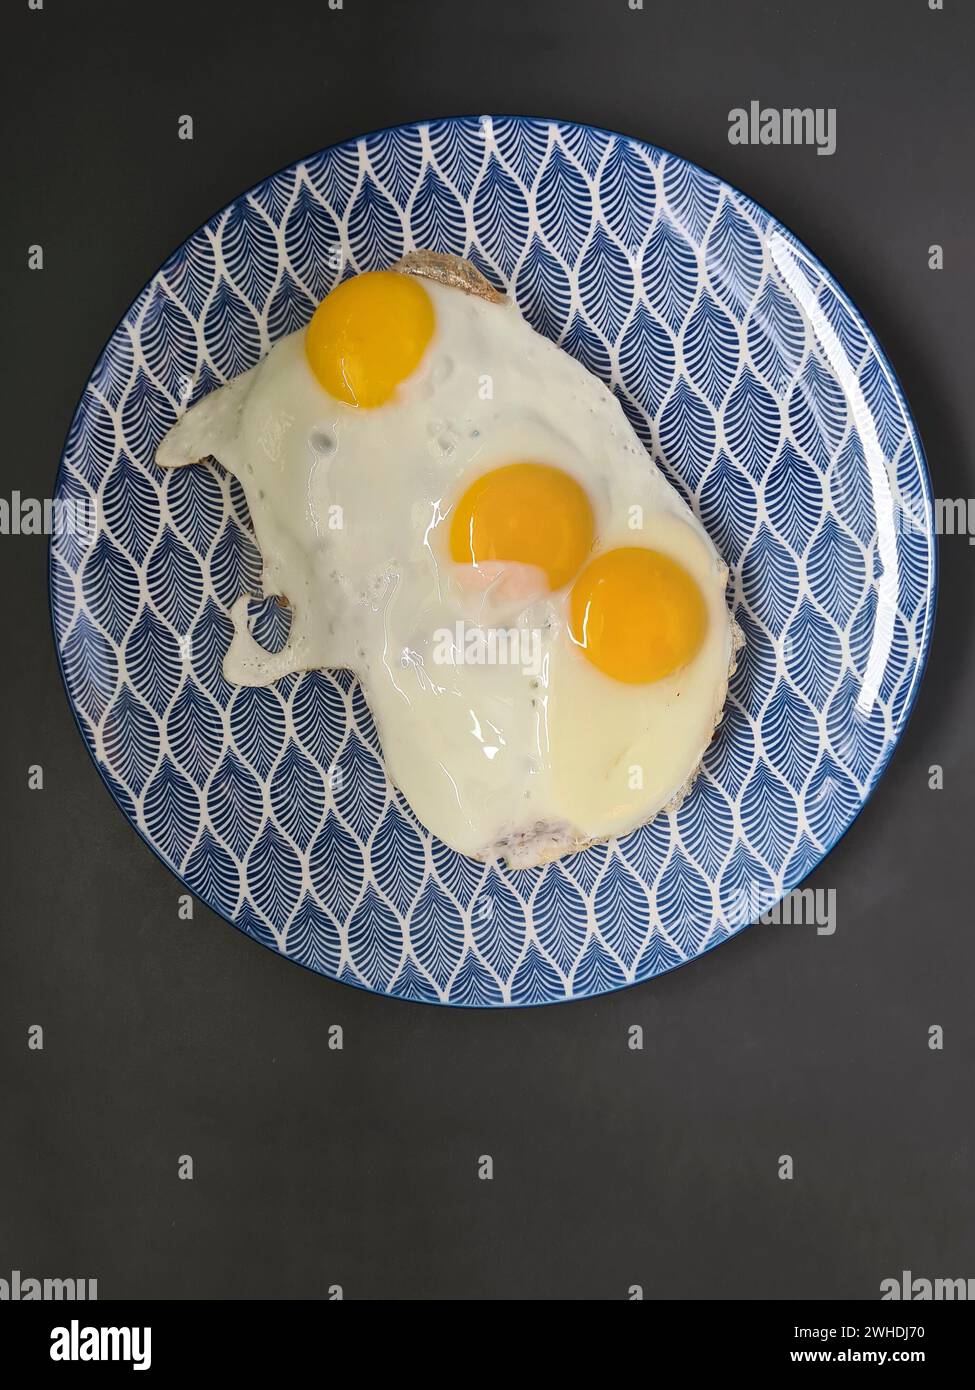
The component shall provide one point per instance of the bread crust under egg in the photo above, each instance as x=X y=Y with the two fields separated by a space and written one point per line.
x=449 y=270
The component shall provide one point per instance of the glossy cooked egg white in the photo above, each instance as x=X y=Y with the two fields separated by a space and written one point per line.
x=459 y=512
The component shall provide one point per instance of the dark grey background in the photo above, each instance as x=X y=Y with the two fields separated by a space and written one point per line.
x=163 y=1037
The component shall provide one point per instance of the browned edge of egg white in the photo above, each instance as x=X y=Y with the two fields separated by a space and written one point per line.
x=517 y=847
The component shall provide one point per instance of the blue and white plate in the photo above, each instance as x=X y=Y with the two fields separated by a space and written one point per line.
x=752 y=380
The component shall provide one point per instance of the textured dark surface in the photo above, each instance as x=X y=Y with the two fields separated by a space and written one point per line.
x=358 y=1167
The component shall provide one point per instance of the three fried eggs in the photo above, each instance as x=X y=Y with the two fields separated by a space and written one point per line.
x=459 y=512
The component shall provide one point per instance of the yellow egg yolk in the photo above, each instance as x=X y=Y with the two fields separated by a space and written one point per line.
x=368 y=335
x=637 y=615
x=529 y=513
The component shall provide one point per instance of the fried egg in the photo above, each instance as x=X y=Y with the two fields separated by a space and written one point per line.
x=460 y=513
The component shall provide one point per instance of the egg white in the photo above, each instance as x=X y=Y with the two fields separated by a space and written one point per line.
x=351 y=512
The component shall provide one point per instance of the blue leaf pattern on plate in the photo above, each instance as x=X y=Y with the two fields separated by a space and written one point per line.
x=194 y=728
x=710 y=349
x=733 y=258
x=310 y=239
x=622 y=909
x=793 y=497
x=647 y=358
x=437 y=218
x=274 y=876
x=130 y=504
x=670 y=273
x=751 y=379
x=627 y=193
x=250 y=251
x=90 y=667
x=776 y=336
x=172 y=811
x=313 y=938
x=437 y=933
x=559 y=913
x=693 y=196
x=375 y=228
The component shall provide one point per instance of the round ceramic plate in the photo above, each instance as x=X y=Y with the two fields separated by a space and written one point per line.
x=752 y=380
